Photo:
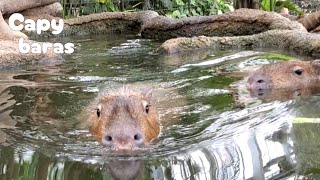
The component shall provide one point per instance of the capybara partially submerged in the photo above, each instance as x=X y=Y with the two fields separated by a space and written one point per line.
x=287 y=74
x=124 y=120
x=285 y=80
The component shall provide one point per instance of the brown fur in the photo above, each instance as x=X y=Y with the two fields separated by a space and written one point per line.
x=282 y=83
x=282 y=75
x=117 y=108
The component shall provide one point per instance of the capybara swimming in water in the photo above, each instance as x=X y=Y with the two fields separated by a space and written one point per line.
x=285 y=80
x=124 y=120
x=287 y=74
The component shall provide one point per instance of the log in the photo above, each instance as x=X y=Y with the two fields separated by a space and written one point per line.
x=8 y=7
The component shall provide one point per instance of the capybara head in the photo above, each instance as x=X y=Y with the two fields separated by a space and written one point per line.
x=288 y=74
x=125 y=120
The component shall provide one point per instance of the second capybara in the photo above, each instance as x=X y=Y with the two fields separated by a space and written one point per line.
x=125 y=119
x=288 y=74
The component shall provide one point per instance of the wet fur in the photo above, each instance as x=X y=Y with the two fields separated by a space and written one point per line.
x=125 y=101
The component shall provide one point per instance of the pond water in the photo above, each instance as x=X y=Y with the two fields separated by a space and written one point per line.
x=211 y=127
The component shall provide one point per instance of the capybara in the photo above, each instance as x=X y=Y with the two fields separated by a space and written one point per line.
x=288 y=74
x=124 y=120
x=285 y=80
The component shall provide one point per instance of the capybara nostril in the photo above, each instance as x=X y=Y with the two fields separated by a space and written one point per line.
x=260 y=81
x=123 y=140
x=107 y=140
x=138 y=139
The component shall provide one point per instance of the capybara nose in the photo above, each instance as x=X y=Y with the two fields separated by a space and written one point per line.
x=258 y=82
x=123 y=141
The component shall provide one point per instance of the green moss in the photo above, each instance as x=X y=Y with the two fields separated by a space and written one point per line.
x=276 y=56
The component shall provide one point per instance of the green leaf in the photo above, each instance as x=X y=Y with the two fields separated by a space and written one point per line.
x=180 y=2
x=176 y=14
x=265 y=5
x=104 y=1
x=290 y=5
x=193 y=2
x=194 y=12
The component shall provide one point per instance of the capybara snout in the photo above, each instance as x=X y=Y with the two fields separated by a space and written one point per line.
x=288 y=74
x=259 y=81
x=125 y=120
x=123 y=140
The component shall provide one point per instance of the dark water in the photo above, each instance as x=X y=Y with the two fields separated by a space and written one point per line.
x=211 y=127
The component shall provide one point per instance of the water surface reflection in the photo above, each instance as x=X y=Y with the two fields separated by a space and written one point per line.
x=206 y=134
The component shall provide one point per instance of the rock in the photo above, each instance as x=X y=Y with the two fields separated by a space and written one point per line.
x=54 y=10
x=9 y=53
x=7 y=33
x=297 y=41
x=11 y=6
x=238 y=23
x=101 y=23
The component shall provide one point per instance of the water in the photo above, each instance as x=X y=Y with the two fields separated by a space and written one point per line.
x=211 y=127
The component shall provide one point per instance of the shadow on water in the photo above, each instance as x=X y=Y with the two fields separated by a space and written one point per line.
x=212 y=128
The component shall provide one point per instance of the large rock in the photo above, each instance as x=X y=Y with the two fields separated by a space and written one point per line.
x=9 y=50
x=7 y=34
x=237 y=23
x=9 y=53
x=102 y=23
x=117 y=22
x=54 y=10
x=298 y=41
x=12 y=6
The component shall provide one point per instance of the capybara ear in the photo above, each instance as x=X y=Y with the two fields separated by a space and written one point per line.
x=316 y=65
x=147 y=93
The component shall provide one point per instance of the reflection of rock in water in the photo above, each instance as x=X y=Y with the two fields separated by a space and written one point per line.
x=6 y=122
x=125 y=169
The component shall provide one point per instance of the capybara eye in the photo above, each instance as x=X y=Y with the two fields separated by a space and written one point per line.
x=147 y=108
x=98 y=112
x=298 y=72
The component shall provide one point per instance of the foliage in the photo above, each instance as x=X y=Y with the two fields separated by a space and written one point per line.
x=185 y=8
x=73 y=8
x=277 y=5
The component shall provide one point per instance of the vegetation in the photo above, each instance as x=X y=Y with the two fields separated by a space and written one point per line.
x=277 y=5
x=172 y=8
x=186 y=8
x=276 y=56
